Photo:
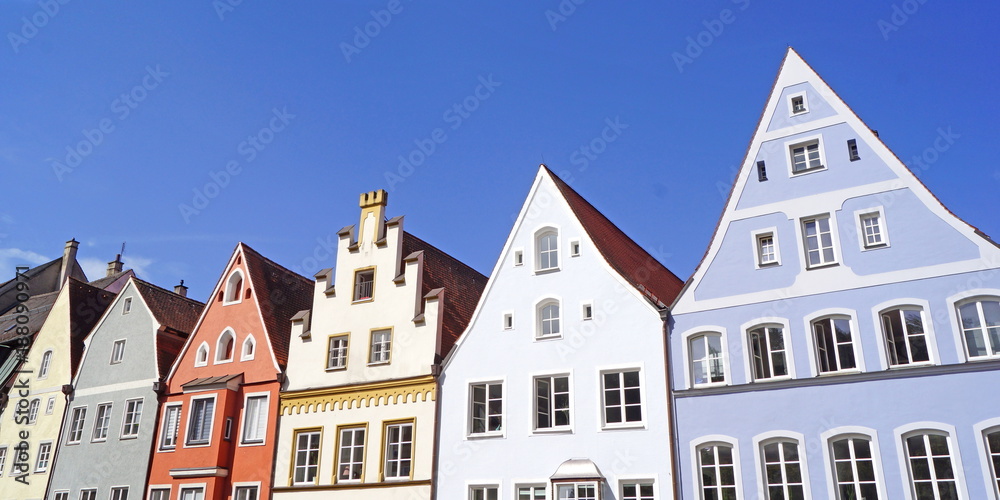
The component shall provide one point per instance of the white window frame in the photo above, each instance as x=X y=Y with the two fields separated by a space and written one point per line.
x=251 y=342
x=211 y=422
x=119 y=489
x=960 y=299
x=50 y=405
x=49 y=448
x=196 y=487
x=126 y=306
x=859 y=355
x=245 y=485
x=540 y=306
x=747 y=348
x=264 y=417
x=533 y=484
x=73 y=429
x=329 y=351
x=756 y=237
x=33 y=407
x=43 y=365
x=60 y=495
x=88 y=494
x=714 y=440
x=791 y=107
x=231 y=296
x=203 y=348
x=624 y=424
x=534 y=402
x=386 y=353
x=540 y=233
x=780 y=436
x=356 y=297
x=3 y=458
x=574 y=247
x=834 y=240
x=587 y=310
x=137 y=422
x=948 y=431
x=518 y=257
x=114 y=350
x=631 y=479
x=508 y=320
x=412 y=458
x=804 y=141
x=161 y=445
x=689 y=361
x=471 y=489
x=929 y=334
x=156 y=488
x=859 y=226
x=109 y=406
x=469 y=434
x=990 y=476
x=576 y=485
x=837 y=433
x=220 y=351
x=295 y=452
x=337 y=453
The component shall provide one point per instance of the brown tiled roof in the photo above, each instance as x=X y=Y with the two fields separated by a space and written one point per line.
x=107 y=281
x=280 y=294
x=625 y=256
x=87 y=305
x=178 y=315
x=462 y=286
x=38 y=309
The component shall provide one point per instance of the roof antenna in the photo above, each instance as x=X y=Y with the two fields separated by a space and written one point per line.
x=123 y=249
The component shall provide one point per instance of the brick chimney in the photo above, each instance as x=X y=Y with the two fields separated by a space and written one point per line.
x=115 y=266
x=181 y=289
x=372 y=226
x=68 y=260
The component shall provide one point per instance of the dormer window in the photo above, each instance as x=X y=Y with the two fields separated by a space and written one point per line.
x=547 y=250
x=234 y=288
x=798 y=104
x=224 y=349
x=201 y=359
x=364 y=284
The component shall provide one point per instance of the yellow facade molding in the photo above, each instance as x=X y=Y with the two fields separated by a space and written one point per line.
x=392 y=392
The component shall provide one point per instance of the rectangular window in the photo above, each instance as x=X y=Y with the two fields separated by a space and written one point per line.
x=588 y=311
x=119 y=493
x=530 y=492
x=483 y=492
x=574 y=248
x=761 y=172
x=192 y=494
x=707 y=365
x=43 y=367
x=718 y=474
x=640 y=490
x=547 y=244
x=552 y=402
x=854 y=468
x=364 y=284
x=127 y=305
x=834 y=344
x=931 y=468
x=805 y=157
x=508 y=321
x=871 y=227
x=992 y=452
x=200 y=421
x=767 y=250
x=398 y=450
x=518 y=257
x=227 y=433
x=306 y=465
x=337 y=353
x=351 y=455
x=50 y=405
x=118 y=352
x=577 y=491
x=61 y=495
x=782 y=470
x=852 y=149
x=159 y=494
x=76 y=425
x=171 y=425
x=246 y=493
x=3 y=458
x=622 y=393
x=44 y=454
x=981 y=327
x=133 y=414
x=798 y=104
x=486 y=411
x=255 y=419
x=381 y=345
x=767 y=346
x=905 y=340
x=818 y=241
x=91 y=494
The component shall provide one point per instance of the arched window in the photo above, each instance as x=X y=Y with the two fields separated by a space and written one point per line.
x=249 y=347
x=43 y=368
x=782 y=468
x=717 y=471
x=930 y=464
x=854 y=467
x=234 y=288
x=33 y=410
x=768 y=352
x=201 y=359
x=980 y=320
x=546 y=249
x=707 y=365
x=224 y=348
x=905 y=339
x=548 y=319
x=835 y=344
x=992 y=437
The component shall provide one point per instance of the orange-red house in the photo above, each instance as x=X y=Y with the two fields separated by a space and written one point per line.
x=216 y=430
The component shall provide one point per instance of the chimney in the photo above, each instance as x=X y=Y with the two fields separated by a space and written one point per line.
x=372 y=226
x=181 y=289
x=68 y=260
x=115 y=266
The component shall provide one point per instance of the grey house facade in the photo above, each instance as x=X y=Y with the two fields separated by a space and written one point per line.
x=109 y=424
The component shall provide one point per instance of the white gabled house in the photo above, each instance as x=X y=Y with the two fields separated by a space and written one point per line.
x=557 y=389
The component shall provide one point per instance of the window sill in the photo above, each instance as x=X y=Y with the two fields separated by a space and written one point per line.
x=251 y=444
x=336 y=369
x=166 y=450
x=877 y=246
x=852 y=371
x=363 y=301
x=486 y=435
x=822 y=266
x=908 y=366
x=709 y=385
x=771 y=379
x=624 y=426
x=768 y=265
x=377 y=363
x=552 y=430
x=809 y=171
x=197 y=445
x=231 y=303
x=127 y=438
x=549 y=270
x=548 y=337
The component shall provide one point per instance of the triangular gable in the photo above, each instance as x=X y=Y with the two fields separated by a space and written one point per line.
x=774 y=123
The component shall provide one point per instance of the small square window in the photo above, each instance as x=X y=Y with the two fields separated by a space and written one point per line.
x=364 y=284
x=798 y=104
x=508 y=321
x=127 y=305
x=118 y=352
x=852 y=149
x=588 y=311
x=518 y=257
x=574 y=248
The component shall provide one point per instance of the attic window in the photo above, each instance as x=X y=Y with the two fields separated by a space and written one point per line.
x=225 y=346
x=518 y=257
x=798 y=104
x=852 y=149
x=761 y=171
x=508 y=321
x=201 y=359
x=364 y=284
x=127 y=306
x=588 y=310
x=574 y=248
x=234 y=288
x=249 y=345
x=246 y=295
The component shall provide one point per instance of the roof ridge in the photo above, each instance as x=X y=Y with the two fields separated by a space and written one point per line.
x=164 y=290
x=273 y=263
x=442 y=253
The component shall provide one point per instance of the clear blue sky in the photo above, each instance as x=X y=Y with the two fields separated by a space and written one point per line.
x=199 y=79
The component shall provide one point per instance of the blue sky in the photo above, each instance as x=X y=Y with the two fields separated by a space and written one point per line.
x=115 y=115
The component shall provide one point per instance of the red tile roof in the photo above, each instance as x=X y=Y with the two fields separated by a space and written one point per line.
x=462 y=286
x=280 y=295
x=641 y=270
x=178 y=315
